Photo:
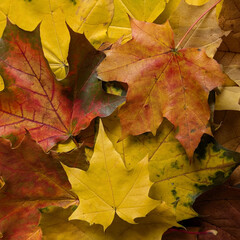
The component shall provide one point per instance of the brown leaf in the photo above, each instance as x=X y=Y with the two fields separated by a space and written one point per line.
x=220 y=210
x=229 y=18
x=228 y=134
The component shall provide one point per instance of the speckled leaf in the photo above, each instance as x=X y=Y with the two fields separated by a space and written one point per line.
x=163 y=82
x=220 y=209
x=55 y=224
x=212 y=165
x=32 y=180
x=176 y=181
x=108 y=188
x=33 y=100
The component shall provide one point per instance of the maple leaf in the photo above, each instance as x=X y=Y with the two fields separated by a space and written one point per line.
x=54 y=223
x=32 y=180
x=176 y=182
x=163 y=82
x=33 y=100
x=219 y=209
x=102 y=192
x=91 y=18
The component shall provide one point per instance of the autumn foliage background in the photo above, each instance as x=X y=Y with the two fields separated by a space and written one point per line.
x=114 y=124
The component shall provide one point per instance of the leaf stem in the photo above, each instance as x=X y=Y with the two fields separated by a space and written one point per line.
x=197 y=22
x=214 y=232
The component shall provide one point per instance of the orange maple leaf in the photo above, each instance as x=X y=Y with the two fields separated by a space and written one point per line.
x=163 y=82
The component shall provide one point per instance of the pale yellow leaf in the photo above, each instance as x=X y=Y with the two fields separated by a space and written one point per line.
x=55 y=39
x=108 y=187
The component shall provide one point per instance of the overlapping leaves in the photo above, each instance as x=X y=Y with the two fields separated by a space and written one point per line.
x=176 y=83
x=32 y=98
x=31 y=180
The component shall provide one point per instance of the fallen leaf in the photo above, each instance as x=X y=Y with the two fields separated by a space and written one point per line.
x=54 y=223
x=175 y=83
x=176 y=181
x=91 y=17
x=56 y=112
x=102 y=191
x=54 y=33
x=206 y=34
x=32 y=180
x=219 y=209
x=228 y=133
x=55 y=40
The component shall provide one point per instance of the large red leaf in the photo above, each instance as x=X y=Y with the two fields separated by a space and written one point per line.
x=32 y=180
x=33 y=100
x=163 y=82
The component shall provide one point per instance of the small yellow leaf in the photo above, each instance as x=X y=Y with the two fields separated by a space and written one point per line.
x=108 y=188
x=66 y=146
x=55 y=39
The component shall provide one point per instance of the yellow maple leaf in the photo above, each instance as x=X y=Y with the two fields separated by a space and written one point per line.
x=177 y=182
x=108 y=187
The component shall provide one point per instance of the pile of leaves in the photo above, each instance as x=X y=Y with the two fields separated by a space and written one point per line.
x=110 y=130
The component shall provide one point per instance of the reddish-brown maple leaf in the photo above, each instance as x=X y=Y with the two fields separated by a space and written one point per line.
x=34 y=100
x=163 y=82
x=32 y=180
x=220 y=210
